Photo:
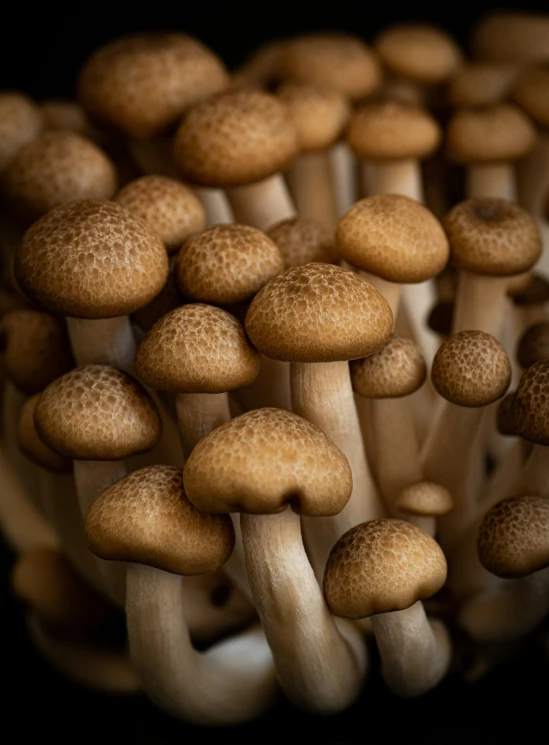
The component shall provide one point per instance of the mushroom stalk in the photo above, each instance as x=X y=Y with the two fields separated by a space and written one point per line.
x=399 y=177
x=480 y=303
x=105 y=341
x=270 y=388
x=492 y=180
x=344 y=174
x=504 y=474
x=311 y=184
x=391 y=291
x=216 y=206
x=533 y=185
x=198 y=414
x=533 y=477
x=262 y=204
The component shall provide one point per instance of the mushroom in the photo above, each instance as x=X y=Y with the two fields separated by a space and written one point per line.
x=302 y=241
x=381 y=570
x=20 y=122
x=60 y=113
x=261 y=69
x=516 y=37
x=479 y=84
x=533 y=345
x=271 y=466
x=423 y=502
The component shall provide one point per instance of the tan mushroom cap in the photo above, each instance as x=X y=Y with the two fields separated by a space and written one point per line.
x=61 y=113
x=532 y=92
x=426 y=499
x=382 y=566
x=513 y=538
x=491 y=134
x=302 y=240
x=91 y=259
x=531 y=404
x=168 y=299
x=481 y=84
x=492 y=236
x=262 y=68
x=235 y=138
x=512 y=37
x=505 y=420
x=97 y=413
x=392 y=130
x=533 y=345
x=143 y=83
x=519 y=284
x=32 y=445
x=56 y=168
x=424 y=54
x=535 y=293
x=197 y=349
x=264 y=460
x=471 y=369
x=37 y=349
x=332 y=60
x=319 y=114
x=227 y=264
x=169 y=207
x=393 y=237
x=20 y=122
x=146 y=518
x=397 y=369
x=318 y=313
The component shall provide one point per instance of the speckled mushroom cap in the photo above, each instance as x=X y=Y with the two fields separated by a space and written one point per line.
x=491 y=134
x=235 y=138
x=424 y=54
x=318 y=313
x=20 y=122
x=392 y=130
x=97 y=413
x=533 y=345
x=32 y=445
x=319 y=114
x=91 y=259
x=471 y=369
x=197 y=349
x=535 y=293
x=505 y=420
x=426 y=499
x=492 y=236
x=332 y=60
x=37 y=349
x=532 y=92
x=61 y=113
x=512 y=37
x=397 y=369
x=170 y=208
x=302 y=240
x=393 y=237
x=531 y=404
x=513 y=538
x=481 y=84
x=264 y=460
x=382 y=566
x=227 y=264
x=143 y=83
x=56 y=168
x=146 y=518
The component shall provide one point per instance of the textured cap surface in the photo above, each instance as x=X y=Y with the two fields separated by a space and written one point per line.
x=302 y=240
x=532 y=92
x=264 y=460
x=397 y=369
x=425 y=498
x=512 y=37
x=32 y=445
x=319 y=114
x=534 y=345
x=20 y=122
x=531 y=404
x=481 y=84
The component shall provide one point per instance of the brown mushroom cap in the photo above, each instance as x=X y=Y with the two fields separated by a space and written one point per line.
x=61 y=113
x=513 y=538
x=471 y=369
x=264 y=460
x=481 y=84
x=519 y=284
x=532 y=92
x=91 y=259
x=143 y=83
x=393 y=237
x=533 y=345
x=302 y=240
x=262 y=68
x=535 y=293
x=146 y=518
x=392 y=130
x=382 y=566
x=20 y=122
x=227 y=264
x=169 y=207
x=32 y=445
x=318 y=313
x=531 y=404
x=492 y=236
x=426 y=499
x=516 y=37
x=492 y=134
x=235 y=138
x=319 y=114
x=505 y=420
x=397 y=369
x=197 y=349
x=97 y=413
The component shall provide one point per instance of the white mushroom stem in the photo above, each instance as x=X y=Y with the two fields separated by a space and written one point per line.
x=270 y=388
x=262 y=204
x=198 y=414
x=480 y=303
x=492 y=180
x=399 y=177
x=391 y=291
x=415 y=652
x=428 y=523
x=230 y=683
x=320 y=667
x=344 y=175
x=104 y=341
x=215 y=203
x=311 y=184
x=533 y=186
x=533 y=477
x=466 y=575
x=505 y=473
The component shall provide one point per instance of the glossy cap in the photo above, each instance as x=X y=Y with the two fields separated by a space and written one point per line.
x=425 y=499
x=319 y=114
x=531 y=404
x=481 y=84
x=302 y=240
x=533 y=345
x=397 y=369
x=532 y=92
x=20 y=122
x=31 y=444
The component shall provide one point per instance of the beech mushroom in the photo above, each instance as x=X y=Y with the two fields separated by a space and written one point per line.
x=479 y=83
x=516 y=37
x=20 y=122
x=423 y=502
x=302 y=241
x=533 y=345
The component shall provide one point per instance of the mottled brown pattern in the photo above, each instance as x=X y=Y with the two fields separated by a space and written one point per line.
x=531 y=405
x=425 y=498
x=397 y=369
x=302 y=240
x=505 y=419
x=31 y=443
x=512 y=36
x=20 y=122
x=534 y=345
x=532 y=93
x=319 y=114
x=481 y=84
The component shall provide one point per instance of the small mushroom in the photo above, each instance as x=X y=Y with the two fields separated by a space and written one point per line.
x=20 y=122
x=302 y=241
x=480 y=83
x=533 y=345
x=423 y=502
x=516 y=37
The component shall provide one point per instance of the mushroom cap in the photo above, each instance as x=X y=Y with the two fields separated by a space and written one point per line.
x=169 y=207
x=141 y=84
x=520 y=283
x=32 y=445
x=302 y=240
x=382 y=566
x=424 y=54
x=147 y=518
x=492 y=134
x=532 y=92
x=91 y=259
x=392 y=130
x=262 y=461
x=471 y=369
x=37 y=349
x=397 y=369
x=513 y=538
x=333 y=60
x=425 y=498
x=318 y=313
x=235 y=138
x=535 y=293
x=320 y=114
x=394 y=237
x=505 y=420
x=61 y=113
x=227 y=264
x=261 y=69
x=531 y=404
x=504 y=36
x=492 y=236
x=533 y=345
x=197 y=349
x=481 y=84
x=20 y=122
x=97 y=413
